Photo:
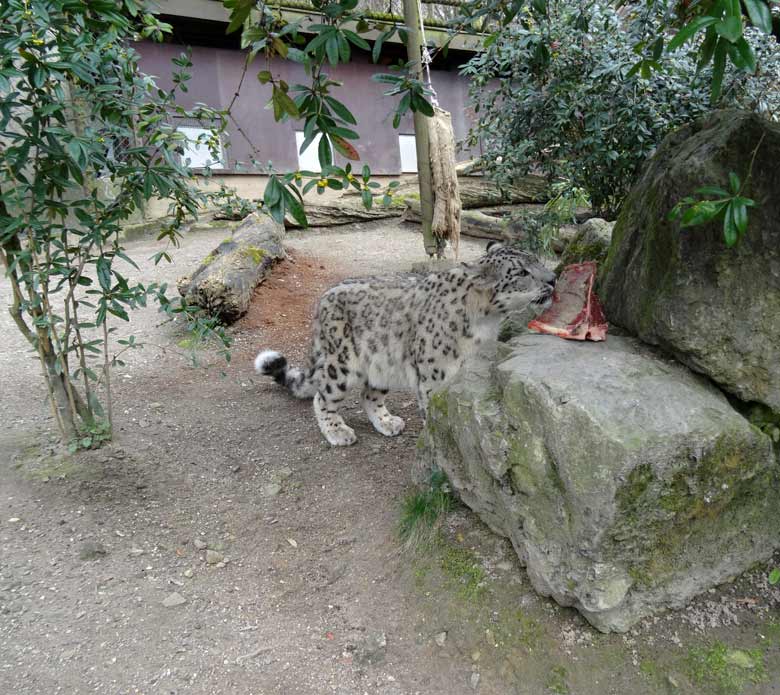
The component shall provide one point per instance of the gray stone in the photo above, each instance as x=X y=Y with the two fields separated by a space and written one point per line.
x=716 y=309
x=173 y=600
x=590 y=243
x=200 y=544
x=440 y=638
x=626 y=483
x=270 y=489
x=372 y=649
x=213 y=557
x=91 y=550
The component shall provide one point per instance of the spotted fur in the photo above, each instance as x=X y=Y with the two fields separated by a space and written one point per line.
x=405 y=331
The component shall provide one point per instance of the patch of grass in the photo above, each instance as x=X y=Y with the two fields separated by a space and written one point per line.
x=530 y=631
x=772 y=632
x=556 y=681
x=462 y=567
x=649 y=669
x=724 y=670
x=421 y=511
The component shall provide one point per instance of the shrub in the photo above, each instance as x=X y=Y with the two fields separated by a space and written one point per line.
x=563 y=96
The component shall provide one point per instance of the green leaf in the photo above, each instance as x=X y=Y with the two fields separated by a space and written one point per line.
x=332 y=49
x=358 y=41
x=379 y=42
x=760 y=16
x=774 y=576
x=718 y=69
x=730 y=28
x=689 y=30
x=422 y=105
x=239 y=11
x=739 y=215
x=264 y=76
x=742 y=55
x=702 y=212
x=707 y=48
x=104 y=273
x=385 y=77
x=730 y=232
x=340 y=110
x=343 y=133
x=324 y=152
x=272 y=193
x=734 y=182
x=368 y=199
x=283 y=104
x=295 y=208
x=713 y=190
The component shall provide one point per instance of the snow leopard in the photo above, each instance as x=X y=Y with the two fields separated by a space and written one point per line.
x=409 y=330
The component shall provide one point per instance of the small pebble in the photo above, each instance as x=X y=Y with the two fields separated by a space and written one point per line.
x=200 y=544
x=173 y=600
x=213 y=557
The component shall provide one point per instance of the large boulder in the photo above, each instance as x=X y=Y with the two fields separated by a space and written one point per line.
x=716 y=309
x=626 y=483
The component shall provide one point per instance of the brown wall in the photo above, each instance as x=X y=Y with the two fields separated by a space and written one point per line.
x=215 y=76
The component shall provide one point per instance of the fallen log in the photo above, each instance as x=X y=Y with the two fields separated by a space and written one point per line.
x=495 y=222
x=223 y=283
x=345 y=210
x=481 y=192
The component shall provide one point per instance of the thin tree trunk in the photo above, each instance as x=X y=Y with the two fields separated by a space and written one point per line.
x=412 y=20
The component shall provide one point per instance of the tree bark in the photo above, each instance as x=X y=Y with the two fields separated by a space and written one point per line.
x=481 y=192
x=225 y=280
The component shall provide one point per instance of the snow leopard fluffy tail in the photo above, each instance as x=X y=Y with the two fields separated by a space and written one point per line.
x=300 y=383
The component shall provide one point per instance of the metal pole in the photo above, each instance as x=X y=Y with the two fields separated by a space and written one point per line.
x=412 y=20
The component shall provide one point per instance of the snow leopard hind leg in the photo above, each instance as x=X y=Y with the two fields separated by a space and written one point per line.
x=333 y=384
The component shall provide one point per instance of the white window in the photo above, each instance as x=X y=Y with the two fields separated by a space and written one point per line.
x=309 y=159
x=408 y=148
x=197 y=153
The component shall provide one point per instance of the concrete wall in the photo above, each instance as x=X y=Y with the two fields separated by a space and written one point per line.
x=215 y=76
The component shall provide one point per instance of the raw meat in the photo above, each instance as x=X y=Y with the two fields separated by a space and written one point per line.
x=576 y=312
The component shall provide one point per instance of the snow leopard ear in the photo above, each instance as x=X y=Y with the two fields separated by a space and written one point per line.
x=493 y=245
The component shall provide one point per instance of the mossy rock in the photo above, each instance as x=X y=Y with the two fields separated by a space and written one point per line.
x=626 y=483
x=714 y=308
x=590 y=243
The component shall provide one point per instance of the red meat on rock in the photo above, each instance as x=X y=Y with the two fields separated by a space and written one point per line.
x=576 y=312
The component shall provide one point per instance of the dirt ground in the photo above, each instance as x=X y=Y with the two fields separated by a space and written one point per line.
x=218 y=545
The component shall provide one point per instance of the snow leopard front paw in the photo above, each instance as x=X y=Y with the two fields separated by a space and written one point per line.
x=340 y=435
x=390 y=425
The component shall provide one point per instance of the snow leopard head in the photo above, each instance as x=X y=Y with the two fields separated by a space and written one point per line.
x=515 y=279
